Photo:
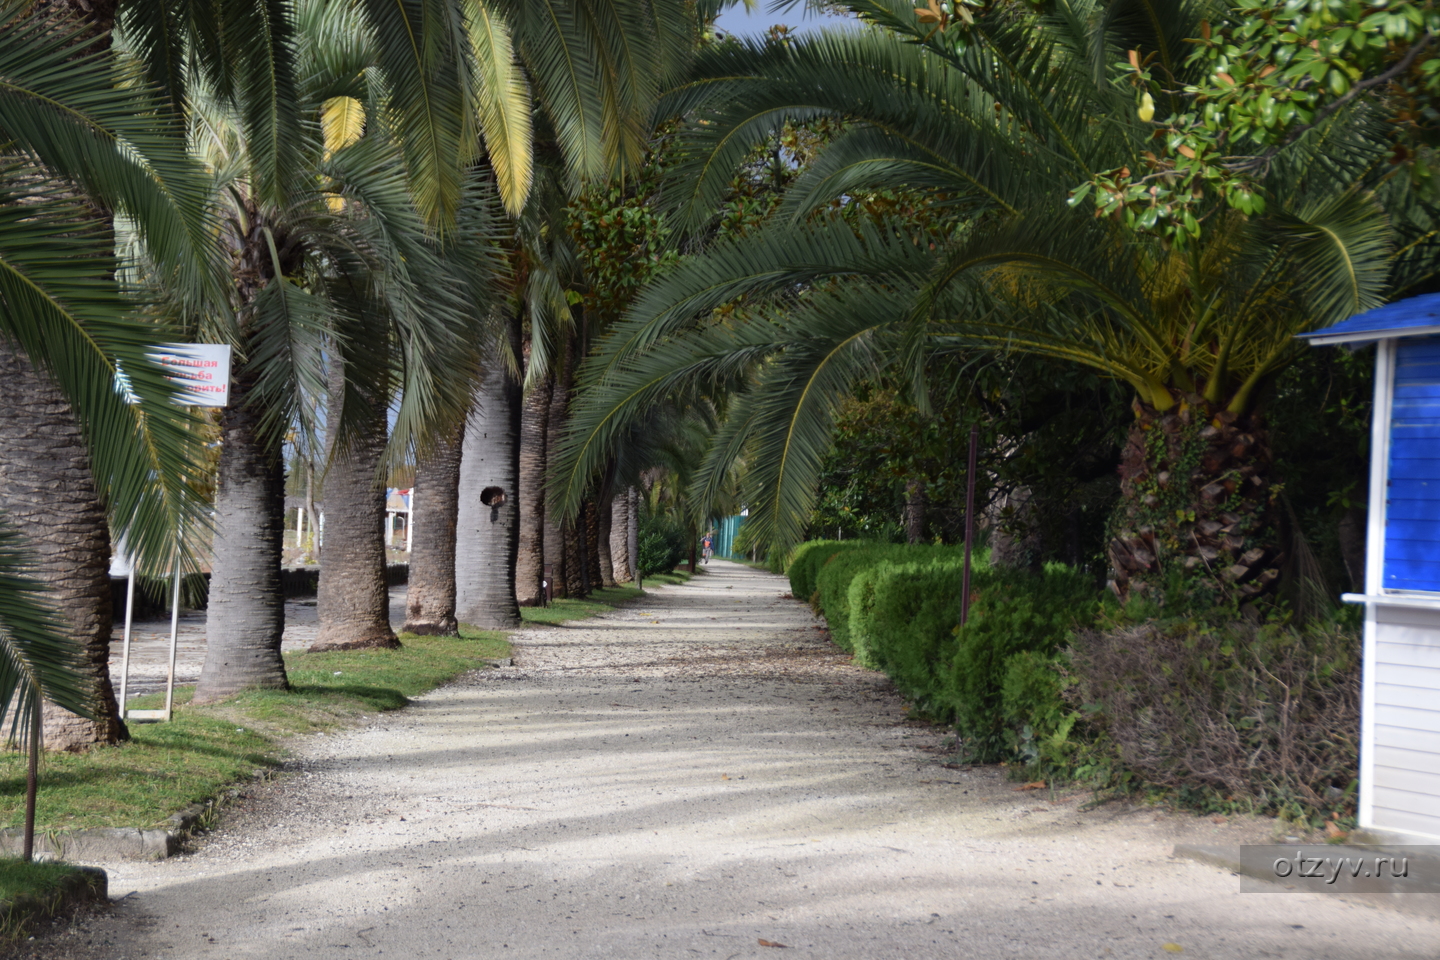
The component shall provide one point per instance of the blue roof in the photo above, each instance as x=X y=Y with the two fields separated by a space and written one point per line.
x=1413 y=317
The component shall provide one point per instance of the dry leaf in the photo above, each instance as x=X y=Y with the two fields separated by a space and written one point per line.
x=772 y=943
x=1034 y=785
x=1172 y=948
x=1332 y=829
x=724 y=776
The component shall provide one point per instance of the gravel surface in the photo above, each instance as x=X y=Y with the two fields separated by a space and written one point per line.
x=698 y=775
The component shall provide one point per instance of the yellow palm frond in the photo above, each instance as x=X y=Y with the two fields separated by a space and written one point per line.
x=503 y=105
x=342 y=121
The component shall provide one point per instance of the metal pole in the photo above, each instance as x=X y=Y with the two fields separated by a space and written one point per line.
x=125 y=648
x=969 y=521
x=174 y=636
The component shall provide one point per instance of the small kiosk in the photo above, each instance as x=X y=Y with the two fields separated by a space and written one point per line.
x=1400 y=706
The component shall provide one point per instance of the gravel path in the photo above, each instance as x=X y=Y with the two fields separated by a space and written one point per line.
x=700 y=775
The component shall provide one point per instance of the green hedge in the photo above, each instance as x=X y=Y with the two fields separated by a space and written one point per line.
x=1011 y=613
x=806 y=563
x=897 y=609
x=904 y=616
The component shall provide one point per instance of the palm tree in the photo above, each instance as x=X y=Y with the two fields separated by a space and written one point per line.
x=434 y=497
x=76 y=459
x=992 y=133
x=38 y=662
x=332 y=260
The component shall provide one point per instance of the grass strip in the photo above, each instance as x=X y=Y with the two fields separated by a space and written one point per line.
x=39 y=880
x=165 y=767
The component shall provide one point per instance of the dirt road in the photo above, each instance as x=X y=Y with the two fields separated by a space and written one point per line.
x=701 y=775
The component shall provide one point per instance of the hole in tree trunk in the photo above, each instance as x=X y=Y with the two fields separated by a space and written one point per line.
x=492 y=496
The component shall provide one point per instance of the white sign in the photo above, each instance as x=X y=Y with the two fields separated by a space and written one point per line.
x=203 y=370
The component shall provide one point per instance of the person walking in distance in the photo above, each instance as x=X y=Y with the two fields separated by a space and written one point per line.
x=705 y=551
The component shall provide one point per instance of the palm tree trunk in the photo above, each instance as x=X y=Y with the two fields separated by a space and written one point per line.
x=632 y=517
x=487 y=537
x=620 y=563
x=353 y=599
x=434 y=500
x=1195 y=491
x=246 y=613
x=50 y=493
x=602 y=540
x=50 y=496
x=577 y=574
x=560 y=535
x=591 y=519
x=530 y=562
x=915 y=511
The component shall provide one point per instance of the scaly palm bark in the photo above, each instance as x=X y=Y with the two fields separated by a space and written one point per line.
x=487 y=529
x=1195 y=486
x=434 y=500
x=353 y=599
x=620 y=566
x=51 y=498
x=245 y=618
x=531 y=559
x=602 y=541
x=591 y=526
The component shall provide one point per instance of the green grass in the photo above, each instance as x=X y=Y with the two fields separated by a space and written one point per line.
x=669 y=579
x=195 y=757
x=18 y=878
x=599 y=601
x=168 y=766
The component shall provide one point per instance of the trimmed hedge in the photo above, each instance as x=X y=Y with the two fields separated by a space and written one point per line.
x=805 y=565
x=897 y=609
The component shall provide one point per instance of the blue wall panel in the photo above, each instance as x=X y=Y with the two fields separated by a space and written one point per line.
x=1412 y=527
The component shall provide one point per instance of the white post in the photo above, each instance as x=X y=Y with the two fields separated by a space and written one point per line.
x=410 y=522
x=1381 y=412
x=174 y=638
x=125 y=648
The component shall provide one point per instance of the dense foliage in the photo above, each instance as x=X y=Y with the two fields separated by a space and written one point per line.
x=1192 y=703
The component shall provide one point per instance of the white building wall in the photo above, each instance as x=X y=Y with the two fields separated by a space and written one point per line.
x=1405 y=726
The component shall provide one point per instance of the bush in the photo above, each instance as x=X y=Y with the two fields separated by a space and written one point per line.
x=1038 y=720
x=1219 y=712
x=663 y=543
x=805 y=565
x=839 y=572
x=1011 y=612
x=904 y=615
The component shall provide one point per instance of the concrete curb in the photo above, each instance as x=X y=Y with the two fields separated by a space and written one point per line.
x=88 y=885
x=109 y=843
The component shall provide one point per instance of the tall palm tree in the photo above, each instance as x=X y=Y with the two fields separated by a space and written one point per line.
x=434 y=498
x=994 y=132
x=331 y=260
x=76 y=459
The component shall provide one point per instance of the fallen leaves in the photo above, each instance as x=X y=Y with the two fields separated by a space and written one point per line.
x=771 y=943
x=1172 y=948
x=1032 y=785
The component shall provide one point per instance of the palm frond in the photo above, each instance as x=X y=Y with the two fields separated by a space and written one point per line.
x=38 y=662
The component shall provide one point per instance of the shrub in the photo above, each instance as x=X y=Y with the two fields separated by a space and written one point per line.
x=1011 y=612
x=838 y=573
x=905 y=620
x=1220 y=712
x=1039 y=721
x=805 y=565
x=663 y=543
